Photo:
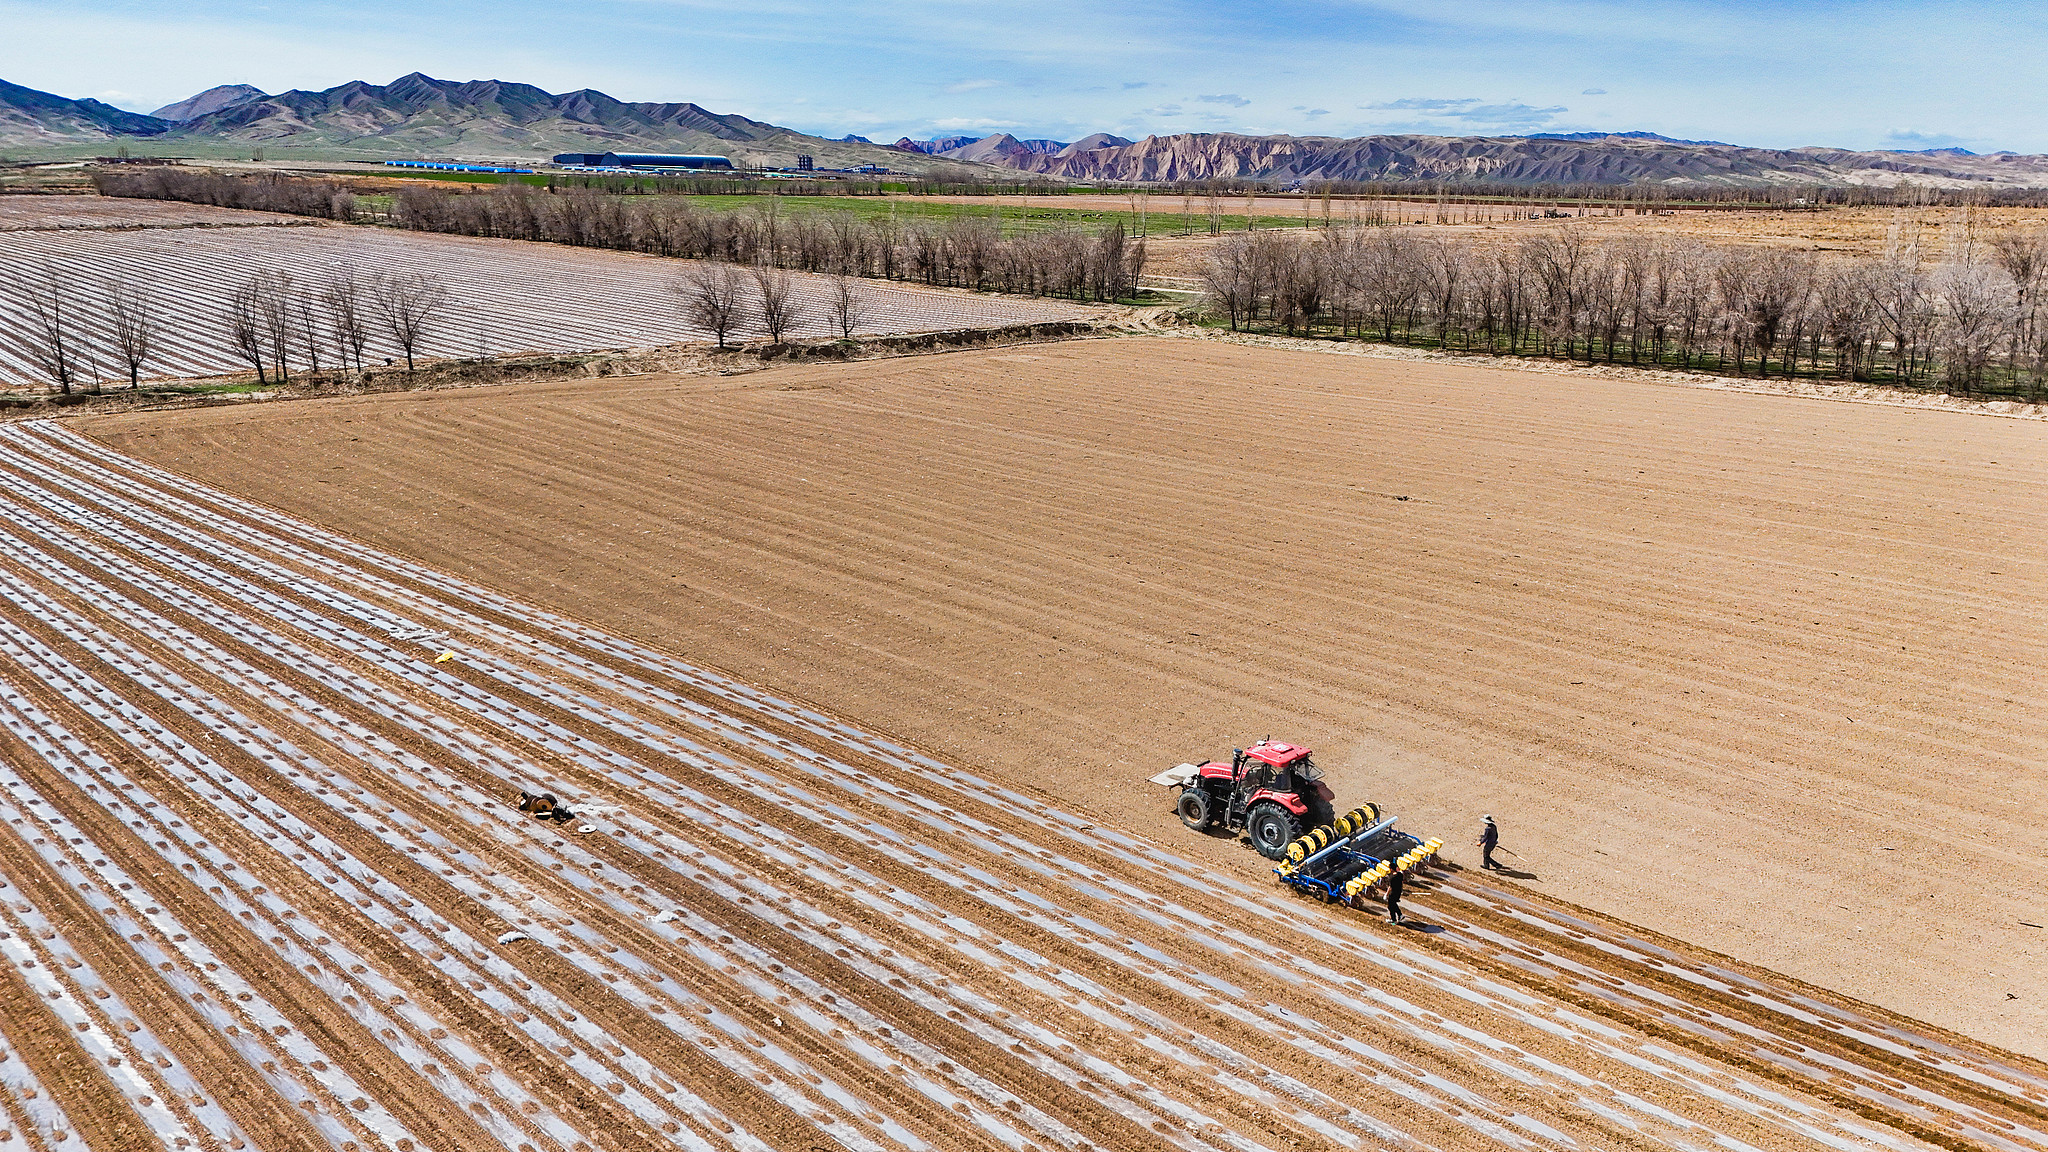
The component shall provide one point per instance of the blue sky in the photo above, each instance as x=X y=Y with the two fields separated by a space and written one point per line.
x=1852 y=73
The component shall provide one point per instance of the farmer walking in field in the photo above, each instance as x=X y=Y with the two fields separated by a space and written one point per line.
x=1394 y=898
x=1489 y=839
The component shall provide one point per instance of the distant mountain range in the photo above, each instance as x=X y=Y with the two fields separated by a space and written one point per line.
x=419 y=116
x=210 y=101
x=493 y=120
x=31 y=117
x=1543 y=158
x=1001 y=147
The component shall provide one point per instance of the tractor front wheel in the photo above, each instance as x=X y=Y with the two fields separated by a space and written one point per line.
x=1194 y=808
x=1272 y=828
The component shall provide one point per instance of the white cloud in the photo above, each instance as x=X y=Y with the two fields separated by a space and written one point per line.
x=1472 y=113
x=1420 y=104
x=1230 y=98
x=1915 y=141
x=962 y=124
x=972 y=86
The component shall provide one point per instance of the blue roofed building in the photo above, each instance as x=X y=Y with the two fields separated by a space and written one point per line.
x=645 y=161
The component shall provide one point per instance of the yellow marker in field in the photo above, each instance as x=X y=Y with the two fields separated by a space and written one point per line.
x=444 y=657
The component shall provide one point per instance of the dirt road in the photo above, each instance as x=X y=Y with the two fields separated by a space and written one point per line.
x=268 y=888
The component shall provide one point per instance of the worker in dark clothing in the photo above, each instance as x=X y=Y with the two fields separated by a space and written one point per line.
x=1489 y=839
x=1394 y=898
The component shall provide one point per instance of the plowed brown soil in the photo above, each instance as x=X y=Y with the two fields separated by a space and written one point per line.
x=1758 y=673
x=263 y=856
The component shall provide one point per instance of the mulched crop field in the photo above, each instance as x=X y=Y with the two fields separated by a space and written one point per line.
x=504 y=296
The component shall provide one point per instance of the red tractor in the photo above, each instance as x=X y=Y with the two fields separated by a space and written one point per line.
x=1271 y=790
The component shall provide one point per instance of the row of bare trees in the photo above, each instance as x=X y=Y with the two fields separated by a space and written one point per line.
x=80 y=334
x=721 y=298
x=292 y=195
x=1970 y=323
x=274 y=321
x=957 y=252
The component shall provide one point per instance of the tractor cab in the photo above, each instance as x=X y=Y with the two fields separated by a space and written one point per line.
x=1283 y=767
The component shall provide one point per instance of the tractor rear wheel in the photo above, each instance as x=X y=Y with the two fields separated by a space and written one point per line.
x=1272 y=828
x=1193 y=807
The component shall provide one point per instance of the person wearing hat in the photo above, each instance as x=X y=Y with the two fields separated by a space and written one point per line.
x=1394 y=898
x=1489 y=839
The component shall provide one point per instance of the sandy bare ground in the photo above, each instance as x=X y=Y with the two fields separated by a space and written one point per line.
x=1934 y=235
x=1938 y=232
x=266 y=889
x=1841 y=391
x=1750 y=670
x=50 y=213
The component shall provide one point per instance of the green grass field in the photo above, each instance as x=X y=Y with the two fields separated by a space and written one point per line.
x=1012 y=219
x=536 y=180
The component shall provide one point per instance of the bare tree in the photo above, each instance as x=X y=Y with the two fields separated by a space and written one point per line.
x=52 y=339
x=710 y=295
x=306 y=313
x=1443 y=271
x=2024 y=257
x=245 y=329
x=347 y=320
x=775 y=300
x=1976 y=317
x=1230 y=280
x=273 y=294
x=1899 y=291
x=1779 y=284
x=849 y=305
x=410 y=304
x=1848 y=318
x=132 y=326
